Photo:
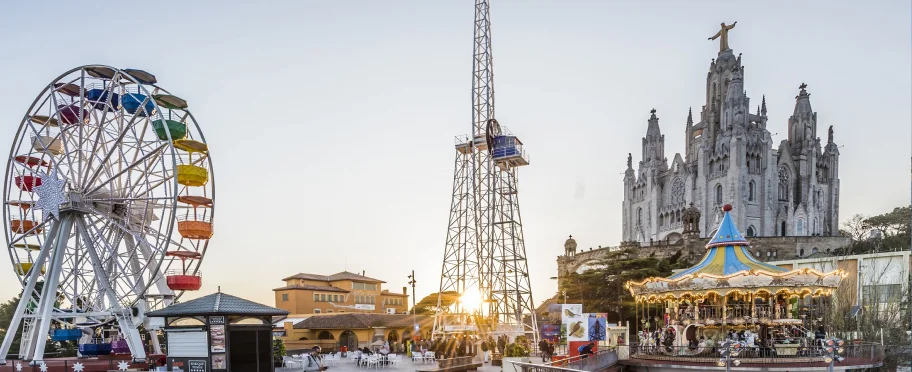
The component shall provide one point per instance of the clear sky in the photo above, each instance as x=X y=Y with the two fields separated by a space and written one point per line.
x=331 y=123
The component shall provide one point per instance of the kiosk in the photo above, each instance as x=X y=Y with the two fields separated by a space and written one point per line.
x=219 y=332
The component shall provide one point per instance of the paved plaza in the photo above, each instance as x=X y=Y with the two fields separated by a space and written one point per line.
x=406 y=366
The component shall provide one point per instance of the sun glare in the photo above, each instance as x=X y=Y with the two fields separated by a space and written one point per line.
x=470 y=300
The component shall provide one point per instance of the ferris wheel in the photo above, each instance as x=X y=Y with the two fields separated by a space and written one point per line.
x=104 y=166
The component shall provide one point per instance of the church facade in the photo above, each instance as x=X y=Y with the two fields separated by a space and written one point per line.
x=785 y=189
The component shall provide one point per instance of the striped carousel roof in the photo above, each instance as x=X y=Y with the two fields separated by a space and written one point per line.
x=727 y=253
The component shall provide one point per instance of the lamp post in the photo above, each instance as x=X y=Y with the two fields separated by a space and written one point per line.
x=834 y=350
x=728 y=350
x=414 y=310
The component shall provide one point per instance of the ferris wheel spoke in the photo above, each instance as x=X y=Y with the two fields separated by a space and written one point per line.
x=108 y=154
x=129 y=167
x=101 y=275
x=115 y=257
x=63 y=141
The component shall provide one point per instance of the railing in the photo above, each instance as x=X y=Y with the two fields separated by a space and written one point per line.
x=111 y=364
x=806 y=352
x=593 y=363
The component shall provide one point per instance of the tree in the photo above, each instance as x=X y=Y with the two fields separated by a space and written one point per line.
x=601 y=289
x=428 y=304
x=893 y=228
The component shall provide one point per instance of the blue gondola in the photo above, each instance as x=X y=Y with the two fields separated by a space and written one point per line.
x=132 y=101
x=506 y=146
x=95 y=349
x=99 y=98
x=66 y=334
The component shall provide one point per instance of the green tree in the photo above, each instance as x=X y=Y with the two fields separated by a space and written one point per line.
x=601 y=289
x=894 y=227
x=428 y=304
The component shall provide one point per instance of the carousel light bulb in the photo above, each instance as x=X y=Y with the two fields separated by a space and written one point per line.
x=840 y=350
x=827 y=359
x=736 y=362
x=721 y=363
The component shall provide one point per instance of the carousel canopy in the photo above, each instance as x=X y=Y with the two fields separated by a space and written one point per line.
x=727 y=253
x=729 y=266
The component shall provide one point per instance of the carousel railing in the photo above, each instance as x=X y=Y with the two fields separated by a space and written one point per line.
x=809 y=351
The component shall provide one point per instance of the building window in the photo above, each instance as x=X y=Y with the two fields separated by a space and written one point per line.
x=323 y=297
x=775 y=253
x=316 y=311
x=329 y=311
x=783 y=183
x=801 y=252
x=284 y=297
x=316 y=297
x=783 y=228
x=799 y=227
x=365 y=286
x=750 y=191
x=718 y=194
x=814 y=250
x=639 y=216
x=751 y=232
x=769 y=253
x=814 y=227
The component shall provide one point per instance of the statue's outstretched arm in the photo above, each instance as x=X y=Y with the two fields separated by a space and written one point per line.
x=716 y=36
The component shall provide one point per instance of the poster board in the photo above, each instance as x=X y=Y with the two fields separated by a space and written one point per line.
x=574 y=322
x=217 y=343
x=597 y=327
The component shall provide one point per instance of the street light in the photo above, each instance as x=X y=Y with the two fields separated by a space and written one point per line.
x=414 y=313
x=728 y=350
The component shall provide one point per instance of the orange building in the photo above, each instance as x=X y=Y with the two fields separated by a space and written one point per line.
x=342 y=292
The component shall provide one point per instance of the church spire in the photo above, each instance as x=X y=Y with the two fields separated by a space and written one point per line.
x=690 y=116
x=763 y=106
x=653 y=128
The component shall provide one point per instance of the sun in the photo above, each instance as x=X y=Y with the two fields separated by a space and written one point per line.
x=470 y=300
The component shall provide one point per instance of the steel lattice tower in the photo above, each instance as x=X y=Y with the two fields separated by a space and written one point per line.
x=484 y=247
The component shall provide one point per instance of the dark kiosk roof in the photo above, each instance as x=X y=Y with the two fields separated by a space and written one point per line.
x=345 y=275
x=323 y=288
x=217 y=304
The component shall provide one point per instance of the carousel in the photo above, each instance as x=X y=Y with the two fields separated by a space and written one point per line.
x=731 y=299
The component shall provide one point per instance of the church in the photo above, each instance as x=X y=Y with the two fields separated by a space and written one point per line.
x=785 y=189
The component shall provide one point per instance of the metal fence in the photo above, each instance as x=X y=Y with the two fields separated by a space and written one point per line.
x=593 y=363
x=854 y=354
x=69 y=365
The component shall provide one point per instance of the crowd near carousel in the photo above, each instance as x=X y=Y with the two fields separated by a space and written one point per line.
x=732 y=305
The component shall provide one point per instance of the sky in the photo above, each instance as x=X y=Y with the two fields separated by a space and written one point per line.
x=331 y=123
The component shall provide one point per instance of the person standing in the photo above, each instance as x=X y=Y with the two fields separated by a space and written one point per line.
x=501 y=344
x=543 y=349
x=484 y=349
x=313 y=363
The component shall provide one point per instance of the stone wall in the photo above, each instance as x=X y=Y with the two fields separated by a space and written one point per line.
x=772 y=248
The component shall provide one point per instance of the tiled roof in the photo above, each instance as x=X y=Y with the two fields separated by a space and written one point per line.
x=361 y=321
x=217 y=304
x=324 y=288
x=388 y=293
x=345 y=275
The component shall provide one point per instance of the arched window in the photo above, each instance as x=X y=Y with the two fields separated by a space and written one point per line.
x=814 y=226
x=799 y=227
x=814 y=250
x=718 y=194
x=678 y=216
x=801 y=252
x=661 y=219
x=639 y=216
x=783 y=183
x=751 y=232
x=750 y=191
x=783 y=228
x=325 y=335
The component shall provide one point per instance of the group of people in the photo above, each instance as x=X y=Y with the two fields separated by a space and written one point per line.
x=546 y=347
